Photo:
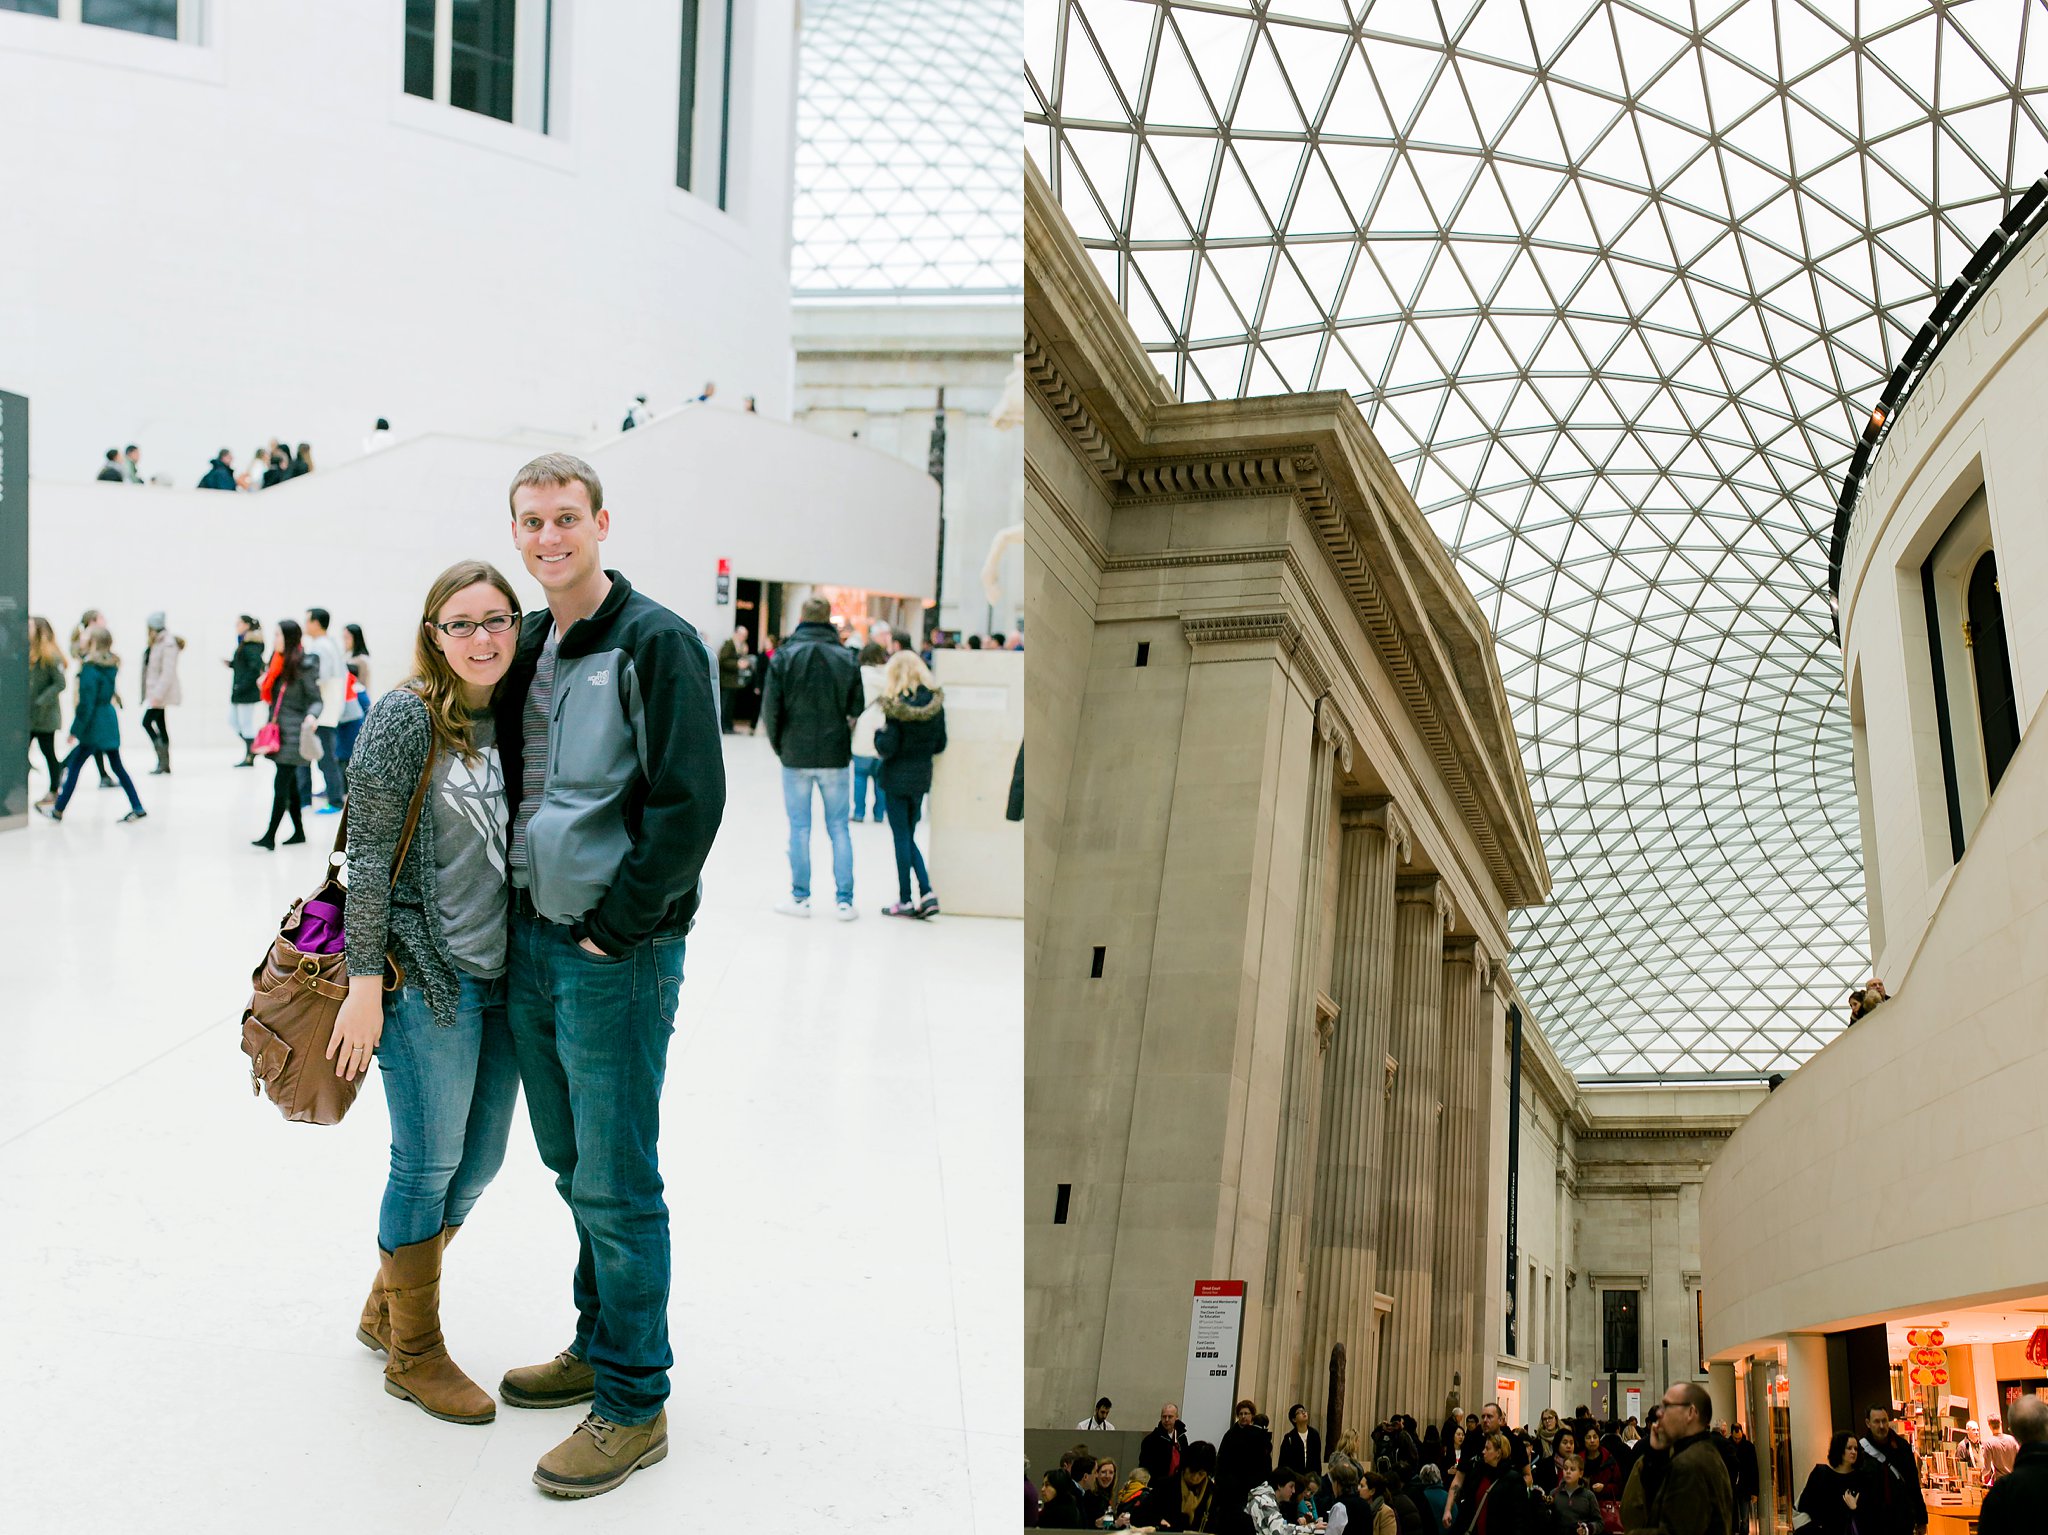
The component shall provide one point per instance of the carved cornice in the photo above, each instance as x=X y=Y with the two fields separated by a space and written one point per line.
x=1213 y=479
x=1229 y=628
x=1067 y=407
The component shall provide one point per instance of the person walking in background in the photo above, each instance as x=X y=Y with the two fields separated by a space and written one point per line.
x=2000 y=1454
x=2017 y=1503
x=245 y=686
x=1748 y=1482
x=637 y=414
x=294 y=696
x=160 y=689
x=1887 y=1475
x=131 y=464
x=86 y=623
x=443 y=1041
x=252 y=477
x=379 y=438
x=874 y=660
x=96 y=727
x=302 y=460
x=45 y=698
x=808 y=705
x=356 y=703
x=220 y=474
x=111 y=469
x=279 y=465
x=913 y=732
x=326 y=649
x=1244 y=1459
x=735 y=661
x=1830 y=1498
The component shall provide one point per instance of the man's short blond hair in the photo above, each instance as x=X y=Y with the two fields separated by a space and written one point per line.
x=558 y=469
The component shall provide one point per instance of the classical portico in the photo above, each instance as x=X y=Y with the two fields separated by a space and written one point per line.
x=1276 y=820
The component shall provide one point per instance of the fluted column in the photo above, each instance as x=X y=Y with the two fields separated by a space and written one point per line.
x=1455 y=1303
x=1344 y=1234
x=1408 y=1209
x=1302 y=1084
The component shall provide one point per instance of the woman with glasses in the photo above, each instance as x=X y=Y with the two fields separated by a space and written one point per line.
x=440 y=1038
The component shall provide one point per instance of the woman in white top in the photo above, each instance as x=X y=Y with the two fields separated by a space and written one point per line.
x=866 y=765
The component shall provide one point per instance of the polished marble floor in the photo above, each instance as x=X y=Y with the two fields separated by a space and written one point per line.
x=181 y=1269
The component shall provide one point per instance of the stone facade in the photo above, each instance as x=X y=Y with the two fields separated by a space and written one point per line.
x=1276 y=819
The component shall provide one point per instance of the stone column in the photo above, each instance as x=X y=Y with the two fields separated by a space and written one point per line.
x=1456 y=1301
x=1343 y=1236
x=1408 y=1208
x=1302 y=1085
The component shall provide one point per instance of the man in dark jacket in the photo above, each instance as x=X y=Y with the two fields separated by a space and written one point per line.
x=2017 y=1503
x=1162 y=1451
x=1889 y=1479
x=607 y=727
x=1696 y=1496
x=1187 y=1501
x=1748 y=1481
x=1068 y=1509
x=220 y=475
x=808 y=707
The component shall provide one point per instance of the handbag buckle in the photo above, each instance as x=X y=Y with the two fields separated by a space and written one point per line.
x=308 y=969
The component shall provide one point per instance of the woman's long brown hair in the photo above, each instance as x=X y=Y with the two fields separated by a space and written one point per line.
x=433 y=678
x=42 y=644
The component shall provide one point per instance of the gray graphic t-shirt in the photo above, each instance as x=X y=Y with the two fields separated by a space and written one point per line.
x=469 y=852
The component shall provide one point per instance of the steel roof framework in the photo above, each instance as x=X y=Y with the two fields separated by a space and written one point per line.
x=1616 y=283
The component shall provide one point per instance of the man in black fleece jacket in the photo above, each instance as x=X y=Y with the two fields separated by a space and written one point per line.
x=808 y=707
x=608 y=731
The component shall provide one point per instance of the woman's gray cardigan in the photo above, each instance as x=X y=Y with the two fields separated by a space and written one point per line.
x=390 y=755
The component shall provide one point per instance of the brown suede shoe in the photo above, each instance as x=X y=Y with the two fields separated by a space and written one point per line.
x=600 y=1455
x=419 y=1369
x=563 y=1381
x=373 y=1329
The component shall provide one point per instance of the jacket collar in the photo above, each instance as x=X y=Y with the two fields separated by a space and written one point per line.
x=582 y=634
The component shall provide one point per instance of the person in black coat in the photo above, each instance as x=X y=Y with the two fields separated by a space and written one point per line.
x=220 y=474
x=1888 y=1478
x=2018 y=1501
x=1301 y=1447
x=1068 y=1508
x=1189 y=1500
x=1161 y=1452
x=1830 y=1497
x=913 y=731
x=1243 y=1460
x=808 y=706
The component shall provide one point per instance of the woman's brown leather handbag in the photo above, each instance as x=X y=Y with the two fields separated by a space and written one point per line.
x=298 y=995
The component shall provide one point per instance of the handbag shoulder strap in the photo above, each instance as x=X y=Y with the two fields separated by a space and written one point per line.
x=412 y=820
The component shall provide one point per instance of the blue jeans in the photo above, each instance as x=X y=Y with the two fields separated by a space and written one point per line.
x=868 y=770
x=76 y=761
x=903 y=827
x=330 y=768
x=796 y=800
x=592 y=1036
x=451 y=1092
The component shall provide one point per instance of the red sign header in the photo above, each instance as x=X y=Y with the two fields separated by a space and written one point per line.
x=1219 y=1287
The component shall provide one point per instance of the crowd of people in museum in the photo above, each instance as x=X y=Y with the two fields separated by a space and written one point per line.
x=279 y=706
x=1679 y=1474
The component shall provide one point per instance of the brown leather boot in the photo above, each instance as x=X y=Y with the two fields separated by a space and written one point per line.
x=373 y=1330
x=419 y=1369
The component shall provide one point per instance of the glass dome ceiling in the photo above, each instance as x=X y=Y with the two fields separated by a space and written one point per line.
x=909 y=161
x=1616 y=283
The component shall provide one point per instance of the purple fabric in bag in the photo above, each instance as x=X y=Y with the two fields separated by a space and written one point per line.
x=320 y=930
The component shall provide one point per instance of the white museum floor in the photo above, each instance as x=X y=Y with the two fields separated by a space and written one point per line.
x=182 y=1269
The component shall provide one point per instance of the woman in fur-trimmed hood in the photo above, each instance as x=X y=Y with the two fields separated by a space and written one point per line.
x=913 y=731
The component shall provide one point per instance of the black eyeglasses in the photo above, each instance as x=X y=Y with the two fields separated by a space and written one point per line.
x=463 y=628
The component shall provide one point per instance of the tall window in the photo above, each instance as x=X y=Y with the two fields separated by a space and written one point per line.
x=152 y=18
x=1998 y=714
x=491 y=57
x=1620 y=1316
x=704 y=100
x=156 y=18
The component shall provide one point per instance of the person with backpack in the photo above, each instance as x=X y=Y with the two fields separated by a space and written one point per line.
x=808 y=706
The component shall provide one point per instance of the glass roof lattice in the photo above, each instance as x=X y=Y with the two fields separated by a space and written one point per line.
x=909 y=160
x=1616 y=285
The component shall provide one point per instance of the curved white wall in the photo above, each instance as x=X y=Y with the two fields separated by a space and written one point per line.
x=366 y=539
x=212 y=244
x=1899 y=1168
